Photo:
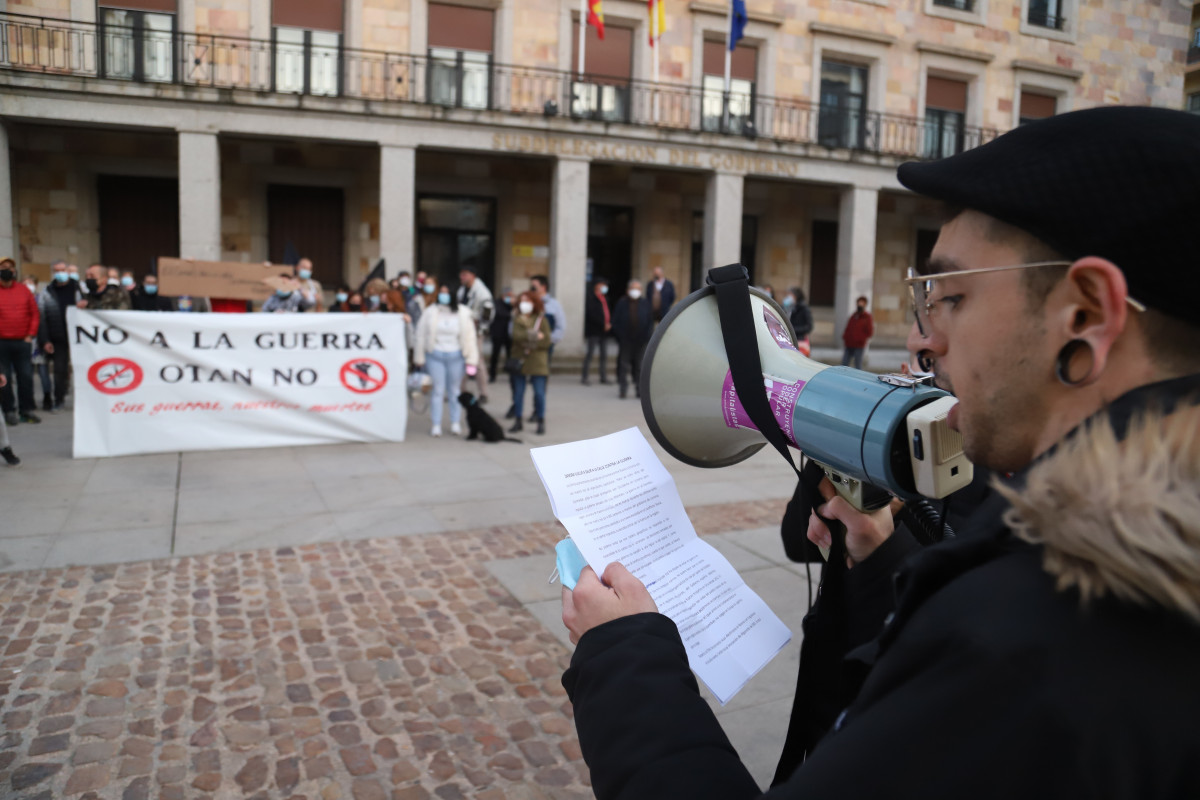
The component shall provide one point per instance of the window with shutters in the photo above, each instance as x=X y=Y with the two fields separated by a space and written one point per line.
x=460 y=55
x=137 y=40
x=1036 y=106
x=945 y=116
x=732 y=112
x=843 y=117
x=307 y=46
x=603 y=91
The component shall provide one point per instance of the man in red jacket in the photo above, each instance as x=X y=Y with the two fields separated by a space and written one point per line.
x=859 y=330
x=18 y=329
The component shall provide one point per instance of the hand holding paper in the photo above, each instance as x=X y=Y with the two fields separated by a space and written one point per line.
x=619 y=504
x=593 y=602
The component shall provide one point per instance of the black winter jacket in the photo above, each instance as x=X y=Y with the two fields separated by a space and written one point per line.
x=1050 y=652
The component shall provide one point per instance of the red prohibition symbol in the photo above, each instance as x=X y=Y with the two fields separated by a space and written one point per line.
x=115 y=376
x=363 y=375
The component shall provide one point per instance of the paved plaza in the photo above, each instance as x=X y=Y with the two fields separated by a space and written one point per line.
x=365 y=621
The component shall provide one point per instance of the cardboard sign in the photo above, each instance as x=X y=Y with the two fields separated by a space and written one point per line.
x=228 y=279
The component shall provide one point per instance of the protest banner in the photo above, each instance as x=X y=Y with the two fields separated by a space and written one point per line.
x=166 y=382
x=226 y=279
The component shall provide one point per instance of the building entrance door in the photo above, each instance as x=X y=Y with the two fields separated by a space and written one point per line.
x=457 y=232
x=139 y=221
x=822 y=281
x=610 y=248
x=308 y=222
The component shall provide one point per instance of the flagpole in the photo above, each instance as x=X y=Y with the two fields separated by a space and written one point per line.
x=582 y=31
x=728 y=68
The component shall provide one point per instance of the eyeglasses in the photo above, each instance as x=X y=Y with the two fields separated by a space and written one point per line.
x=920 y=287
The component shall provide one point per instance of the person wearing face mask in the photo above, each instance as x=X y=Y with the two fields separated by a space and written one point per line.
x=147 y=298
x=53 y=300
x=373 y=293
x=104 y=292
x=501 y=332
x=19 y=320
x=127 y=281
x=341 y=299
x=287 y=297
x=597 y=327
x=632 y=324
x=446 y=347
x=309 y=287
x=858 y=332
x=532 y=337
x=796 y=305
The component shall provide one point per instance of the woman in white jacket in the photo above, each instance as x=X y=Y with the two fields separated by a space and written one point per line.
x=446 y=342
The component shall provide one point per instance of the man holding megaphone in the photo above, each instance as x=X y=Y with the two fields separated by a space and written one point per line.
x=1052 y=649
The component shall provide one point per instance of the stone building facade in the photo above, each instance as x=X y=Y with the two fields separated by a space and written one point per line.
x=433 y=134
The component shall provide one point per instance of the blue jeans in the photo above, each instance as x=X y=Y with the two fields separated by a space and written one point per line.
x=539 y=394
x=446 y=369
x=854 y=354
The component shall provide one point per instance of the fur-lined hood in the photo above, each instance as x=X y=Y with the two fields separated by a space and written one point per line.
x=1120 y=516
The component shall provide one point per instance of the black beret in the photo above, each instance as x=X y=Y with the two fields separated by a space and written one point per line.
x=1119 y=182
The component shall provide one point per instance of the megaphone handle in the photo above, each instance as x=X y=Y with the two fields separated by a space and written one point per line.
x=865 y=497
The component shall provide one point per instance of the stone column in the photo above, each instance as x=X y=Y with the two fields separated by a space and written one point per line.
x=8 y=241
x=397 y=208
x=856 y=252
x=568 y=246
x=722 y=220
x=199 y=196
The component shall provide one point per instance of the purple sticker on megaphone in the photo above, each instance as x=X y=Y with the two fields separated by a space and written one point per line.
x=781 y=396
x=778 y=331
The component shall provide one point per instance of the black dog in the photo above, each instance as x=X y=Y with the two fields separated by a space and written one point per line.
x=482 y=423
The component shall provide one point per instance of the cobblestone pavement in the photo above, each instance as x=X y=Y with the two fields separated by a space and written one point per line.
x=380 y=668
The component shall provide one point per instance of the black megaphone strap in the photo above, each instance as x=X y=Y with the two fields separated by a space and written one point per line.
x=732 y=284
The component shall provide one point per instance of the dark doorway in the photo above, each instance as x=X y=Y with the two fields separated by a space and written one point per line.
x=457 y=232
x=308 y=222
x=748 y=254
x=822 y=283
x=610 y=248
x=139 y=221
x=926 y=239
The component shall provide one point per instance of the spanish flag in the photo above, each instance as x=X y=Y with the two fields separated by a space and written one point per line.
x=658 y=19
x=595 y=16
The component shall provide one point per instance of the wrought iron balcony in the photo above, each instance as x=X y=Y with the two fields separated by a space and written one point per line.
x=468 y=81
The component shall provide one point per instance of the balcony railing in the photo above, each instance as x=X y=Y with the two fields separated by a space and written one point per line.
x=55 y=47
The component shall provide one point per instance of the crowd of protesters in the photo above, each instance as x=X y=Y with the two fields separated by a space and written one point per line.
x=447 y=323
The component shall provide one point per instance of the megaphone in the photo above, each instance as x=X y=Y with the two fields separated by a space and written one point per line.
x=866 y=430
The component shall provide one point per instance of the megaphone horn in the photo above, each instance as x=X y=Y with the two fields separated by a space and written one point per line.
x=886 y=431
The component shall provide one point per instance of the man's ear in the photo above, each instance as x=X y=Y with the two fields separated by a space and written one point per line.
x=1093 y=307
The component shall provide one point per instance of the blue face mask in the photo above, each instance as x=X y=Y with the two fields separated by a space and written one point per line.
x=342 y=297
x=151 y=288
x=788 y=302
x=127 y=281
x=282 y=293
x=430 y=288
x=62 y=277
x=444 y=298
x=305 y=274
x=508 y=301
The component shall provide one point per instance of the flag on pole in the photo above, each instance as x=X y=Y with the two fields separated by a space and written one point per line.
x=737 y=23
x=658 y=19
x=595 y=16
